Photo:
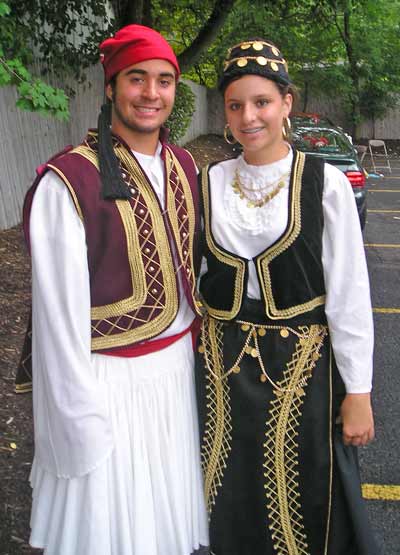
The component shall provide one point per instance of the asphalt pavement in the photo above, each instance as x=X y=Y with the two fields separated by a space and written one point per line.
x=380 y=461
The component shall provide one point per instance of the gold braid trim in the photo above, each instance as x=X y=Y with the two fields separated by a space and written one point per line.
x=138 y=276
x=184 y=201
x=166 y=310
x=70 y=189
x=281 y=448
x=328 y=516
x=137 y=270
x=23 y=387
x=223 y=257
x=283 y=244
x=162 y=313
x=216 y=443
x=87 y=153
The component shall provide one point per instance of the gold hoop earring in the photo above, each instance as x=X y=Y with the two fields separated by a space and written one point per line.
x=229 y=139
x=286 y=127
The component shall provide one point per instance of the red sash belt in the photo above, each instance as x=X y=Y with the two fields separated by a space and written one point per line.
x=156 y=344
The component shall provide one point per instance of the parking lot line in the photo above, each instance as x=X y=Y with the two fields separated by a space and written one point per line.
x=382 y=245
x=384 y=492
x=386 y=310
x=383 y=211
x=384 y=190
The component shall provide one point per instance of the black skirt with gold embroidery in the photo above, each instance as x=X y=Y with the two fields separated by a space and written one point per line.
x=268 y=395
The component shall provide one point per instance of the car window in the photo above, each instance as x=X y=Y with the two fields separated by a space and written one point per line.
x=321 y=140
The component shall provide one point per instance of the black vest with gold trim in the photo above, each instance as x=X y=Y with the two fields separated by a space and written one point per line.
x=290 y=271
x=130 y=242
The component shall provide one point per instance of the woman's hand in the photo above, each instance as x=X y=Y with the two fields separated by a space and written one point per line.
x=357 y=419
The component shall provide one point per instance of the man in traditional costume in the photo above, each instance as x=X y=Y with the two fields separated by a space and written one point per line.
x=112 y=227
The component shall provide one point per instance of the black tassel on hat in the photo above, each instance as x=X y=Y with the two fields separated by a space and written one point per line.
x=113 y=186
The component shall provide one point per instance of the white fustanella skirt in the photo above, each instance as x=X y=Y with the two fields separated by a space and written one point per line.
x=147 y=497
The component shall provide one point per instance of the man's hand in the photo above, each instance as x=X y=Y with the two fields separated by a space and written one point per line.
x=357 y=419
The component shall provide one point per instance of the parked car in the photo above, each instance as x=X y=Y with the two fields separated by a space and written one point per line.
x=331 y=144
x=312 y=118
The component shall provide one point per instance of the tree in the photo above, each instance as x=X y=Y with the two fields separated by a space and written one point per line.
x=357 y=56
x=346 y=48
x=33 y=94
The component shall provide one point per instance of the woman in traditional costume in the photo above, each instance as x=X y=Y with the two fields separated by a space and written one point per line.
x=285 y=355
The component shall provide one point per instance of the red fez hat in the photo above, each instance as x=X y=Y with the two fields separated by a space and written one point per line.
x=133 y=44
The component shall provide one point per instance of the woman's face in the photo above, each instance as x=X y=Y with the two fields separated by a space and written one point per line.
x=255 y=111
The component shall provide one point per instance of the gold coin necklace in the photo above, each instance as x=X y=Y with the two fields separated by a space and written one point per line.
x=245 y=191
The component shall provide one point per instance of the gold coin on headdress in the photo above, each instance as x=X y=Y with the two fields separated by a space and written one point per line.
x=261 y=332
x=284 y=332
x=257 y=45
x=245 y=327
x=274 y=66
x=263 y=378
x=236 y=369
x=241 y=62
x=275 y=51
x=245 y=45
x=261 y=60
x=201 y=348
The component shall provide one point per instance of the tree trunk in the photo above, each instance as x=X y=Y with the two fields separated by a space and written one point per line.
x=131 y=11
x=206 y=35
x=354 y=72
x=134 y=12
x=305 y=96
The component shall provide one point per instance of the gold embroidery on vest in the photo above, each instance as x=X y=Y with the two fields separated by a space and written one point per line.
x=216 y=443
x=138 y=296
x=283 y=244
x=329 y=432
x=167 y=308
x=281 y=448
x=87 y=153
x=224 y=257
x=134 y=328
x=70 y=189
x=179 y=198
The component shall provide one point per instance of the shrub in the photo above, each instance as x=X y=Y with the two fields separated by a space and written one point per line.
x=181 y=116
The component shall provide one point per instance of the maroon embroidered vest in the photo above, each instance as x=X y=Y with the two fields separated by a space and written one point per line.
x=133 y=281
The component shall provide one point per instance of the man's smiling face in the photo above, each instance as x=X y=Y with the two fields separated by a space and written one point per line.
x=143 y=97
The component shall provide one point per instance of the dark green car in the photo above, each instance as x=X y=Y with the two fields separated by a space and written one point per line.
x=334 y=147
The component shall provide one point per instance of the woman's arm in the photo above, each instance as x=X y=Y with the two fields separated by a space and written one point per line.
x=348 y=304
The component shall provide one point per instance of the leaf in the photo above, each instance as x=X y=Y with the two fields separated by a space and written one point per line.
x=5 y=77
x=25 y=104
x=4 y=9
x=25 y=88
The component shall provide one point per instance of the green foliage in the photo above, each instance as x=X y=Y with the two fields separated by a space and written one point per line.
x=348 y=49
x=63 y=34
x=4 y=9
x=181 y=116
x=34 y=94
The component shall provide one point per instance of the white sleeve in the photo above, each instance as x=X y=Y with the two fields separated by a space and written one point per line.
x=72 y=431
x=348 y=301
